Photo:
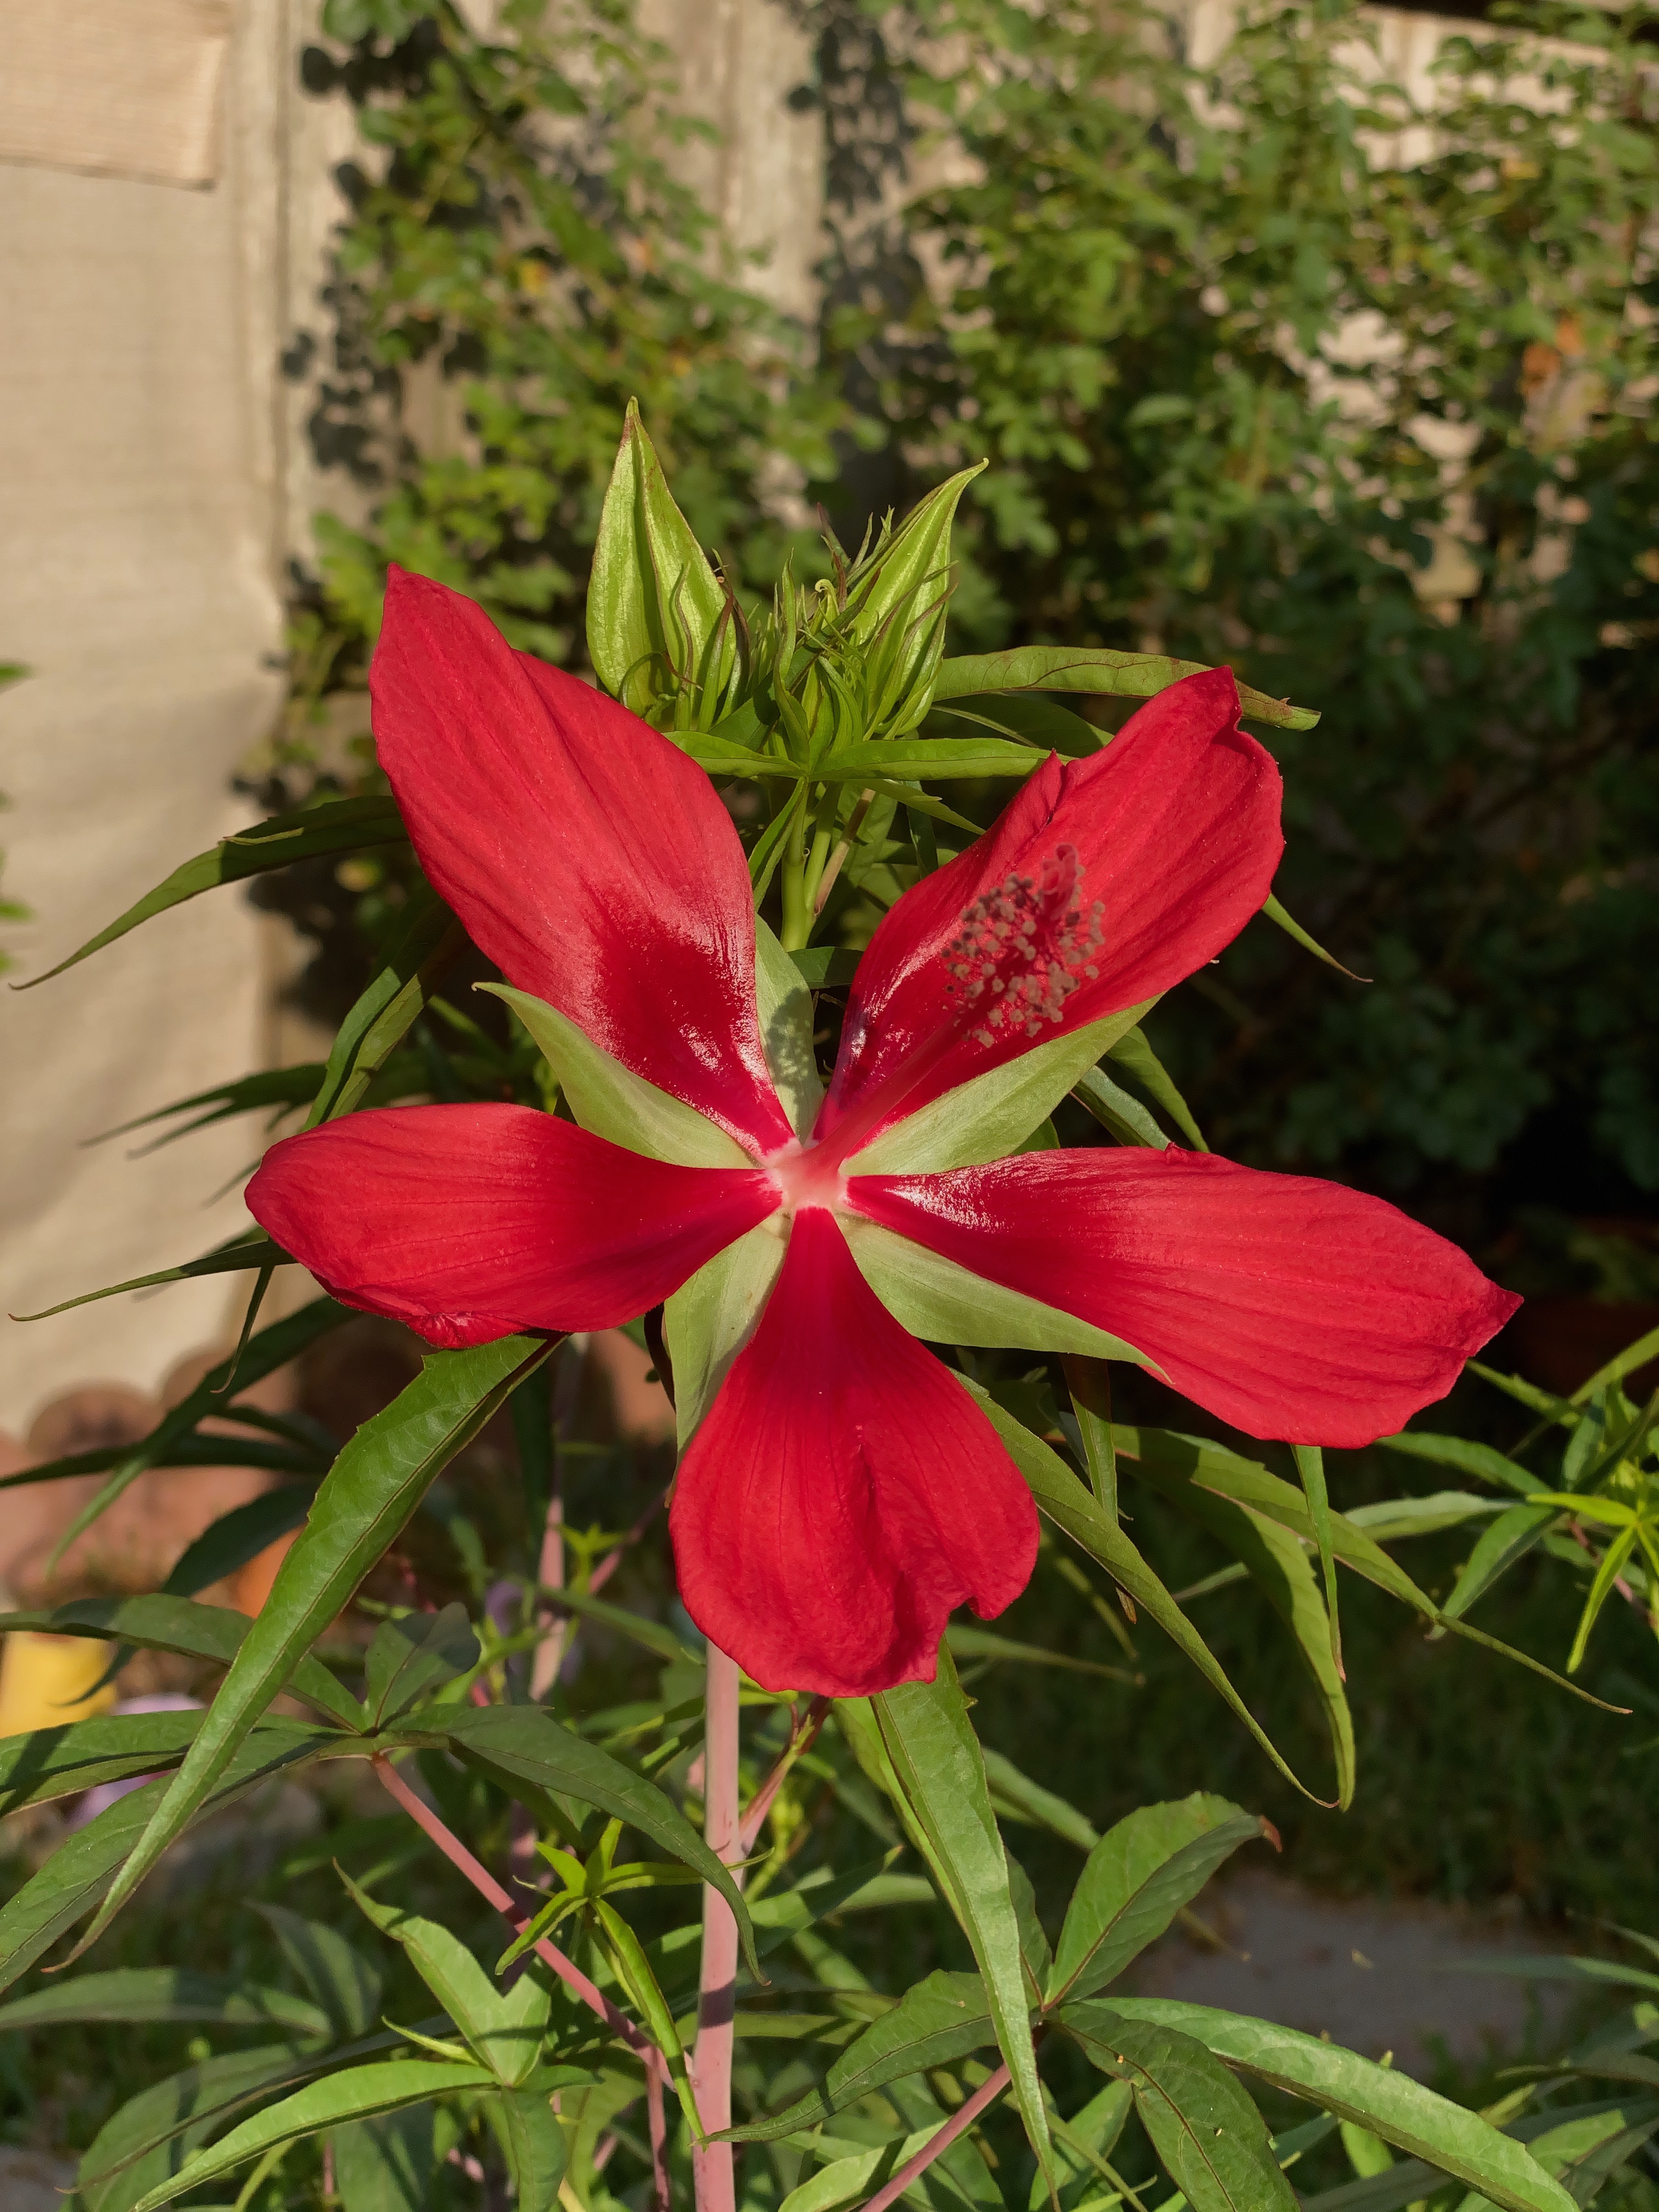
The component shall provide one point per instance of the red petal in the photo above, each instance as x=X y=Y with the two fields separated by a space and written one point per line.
x=587 y=856
x=469 y=1222
x=844 y=1493
x=1176 y=828
x=1293 y=1309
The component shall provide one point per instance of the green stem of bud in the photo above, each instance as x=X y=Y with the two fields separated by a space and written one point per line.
x=797 y=904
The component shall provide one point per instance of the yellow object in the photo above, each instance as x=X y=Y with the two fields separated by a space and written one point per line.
x=44 y=1680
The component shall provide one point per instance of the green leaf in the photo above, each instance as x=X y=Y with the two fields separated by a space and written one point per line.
x=1310 y=1465
x=1600 y=1590
x=237 y=1536
x=1139 y=1876
x=1209 y=2137
x=255 y=1249
x=990 y=1116
x=1467 y=1457
x=523 y=1743
x=941 y=2019
x=1081 y=2143
x=1293 y=929
x=854 y=2173
x=936 y=759
x=968 y=1642
x=373 y=1488
x=1275 y=1561
x=947 y=1803
x=70 y=1883
x=185 y=1625
x=897 y=602
x=504 y=2028
x=1100 y=671
x=784 y=1003
x=1622 y=1363
x=534 y=2142
x=387 y=2163
x=1030 y=717
x=1071 y=1508
x=1391 y=2105
x=356 y=2093
x=408 y=1657
x=654 y=606
x=1137 y=1059
x=163 y=1993
x=149 y=2137
x=425 y=948
x=262 y=1355
x=1497 y=1548
x=340 y=1979
x=942 y=1302
x=1125 y=1117
x=708 y=1319
x=612 y=1101
x=1015 y=1796
x=1089 y=1382
x=338 y=825
x=61 y=1762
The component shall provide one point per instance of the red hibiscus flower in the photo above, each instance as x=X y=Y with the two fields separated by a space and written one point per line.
x=842 y=1492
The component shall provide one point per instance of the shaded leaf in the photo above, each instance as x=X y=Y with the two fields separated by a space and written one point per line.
x=1100 y=671
x=373 y=1488
x=164 y=1993
x=1139 y=1876
x=409 y=1657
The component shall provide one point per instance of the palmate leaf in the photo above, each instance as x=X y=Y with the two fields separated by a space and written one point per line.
x=338 y=825
x=1210 y=2138
x=1100 y=672
x=373 y=1488
x=942 y=2019
x=944 y=1798
x=1390 y=2103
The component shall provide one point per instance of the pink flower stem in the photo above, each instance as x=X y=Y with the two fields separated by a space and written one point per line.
x=566 y=1969
x=711 y=2065
x=761 y=1803
x=608 y=1564
x=958 y=2123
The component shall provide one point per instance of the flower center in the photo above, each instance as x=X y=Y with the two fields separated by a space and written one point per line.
x=808 y=1174
x=1023 y=948
x=1021 y=951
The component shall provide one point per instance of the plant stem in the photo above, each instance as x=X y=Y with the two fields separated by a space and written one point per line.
x=958 y=2123
x=517 y=1918
x=761 y=1803
x=711 y=2064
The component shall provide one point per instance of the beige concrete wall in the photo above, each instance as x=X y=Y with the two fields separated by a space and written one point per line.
x=137 y=480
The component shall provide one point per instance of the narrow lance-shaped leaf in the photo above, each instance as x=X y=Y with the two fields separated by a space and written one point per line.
x=1136 y=1057
x=946 y=1801
x=1390 y=2103
x=525 y=1744
x=424 y=949
x=942 y=2019
x=61 y=1762
x=1101 y=671
x=255 y=1249
x=1274 y=913
x=357 y=2092
x=504 y=2028
x=135 y=1994
x=339 y=825
x=1139 y=1876
x=374 y=1487
x=1069 y=1505
x=1276 y=1562
x=1209 y=2137
x=1310 y=1465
